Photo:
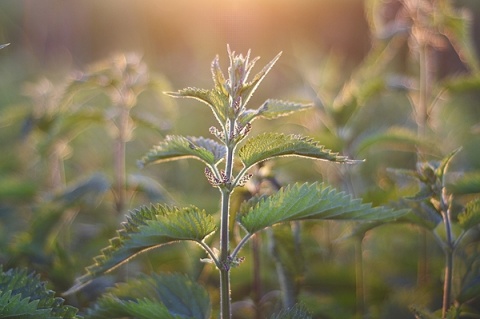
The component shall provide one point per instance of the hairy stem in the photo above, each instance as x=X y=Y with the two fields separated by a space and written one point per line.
x=226 y=191
x=224 y=267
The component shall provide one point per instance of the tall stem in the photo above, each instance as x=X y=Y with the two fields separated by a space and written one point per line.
x=119 y=161
x=360 y=287
x=449 y=250
x=225 y=311
x=226 y=191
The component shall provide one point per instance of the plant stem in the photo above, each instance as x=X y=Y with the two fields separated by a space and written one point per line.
x=449 y=250
x=360 y=287
x=224 y=269
x=257 y=280
x=119 y=160
x=226 y=191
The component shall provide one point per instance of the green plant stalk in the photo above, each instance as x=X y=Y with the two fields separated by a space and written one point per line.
x=359 y=275
x=225 y=299
x=421 y=119
x=226 y=191
x=449 y=249
x=119 y=161
x=257 y=278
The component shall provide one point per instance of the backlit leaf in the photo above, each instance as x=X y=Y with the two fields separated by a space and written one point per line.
x=177 y=147
x=311 y=201
x=250 y=87
x=269 y=145
x=216 y=100
x=147 y=228
x=272 y=109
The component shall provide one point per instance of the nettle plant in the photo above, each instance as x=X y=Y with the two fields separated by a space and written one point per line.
x=148 y=227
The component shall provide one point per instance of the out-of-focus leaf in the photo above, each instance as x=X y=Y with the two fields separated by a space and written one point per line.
x=296 y=312
x=421 y=313
x=469 y=183
x=86 y=190
x=177 y=147
x=15 y=189
x=311 y=201
x=112 y=307
x=269 y=145
x=150 y=187
x=470 y=290
x=423 y=215
x=470 y=217
x=147 y=228
x=157 y=296
x=457 y=29
x=398 y=138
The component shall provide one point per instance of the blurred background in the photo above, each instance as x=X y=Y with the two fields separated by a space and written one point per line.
x=65 y=137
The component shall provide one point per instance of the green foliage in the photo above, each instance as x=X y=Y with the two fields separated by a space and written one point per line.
x=296 y=312
x=470 y=217
x=270 y=145
x=147 y=228
x=310 y=201
x=151 y=227
x=157 y=296
x=178 y=147
x=23 y=295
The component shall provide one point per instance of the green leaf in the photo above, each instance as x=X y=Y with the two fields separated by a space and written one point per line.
x=442 y=168
x=177 y=147
x=250 y=87
x=272 y=109
x=398 y=138
x=23 y=295
x=296 y=312
x=470 y=217
x=158 y=296
x=469 y=183
x=423 y=214
x=470 y=290
x=147 y=228
x=421 y=313
x=311 y=201
x=269 y=145
x=218 y=77
x=86 y=190
x=216 y=100
x=110 y=307
x=458 y=31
